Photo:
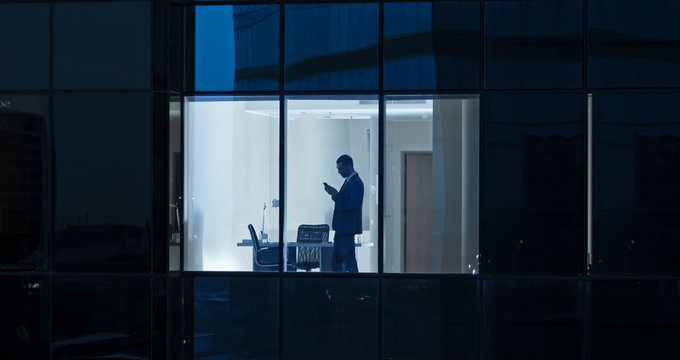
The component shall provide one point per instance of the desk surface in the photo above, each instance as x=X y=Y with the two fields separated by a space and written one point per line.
x=249 y=242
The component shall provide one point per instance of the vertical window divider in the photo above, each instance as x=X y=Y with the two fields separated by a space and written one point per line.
x=381 y=162
x=282 y=171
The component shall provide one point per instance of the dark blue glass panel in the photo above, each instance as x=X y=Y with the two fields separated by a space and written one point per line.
x=24 y=46
x=24 y=309
x=533 y=43
x=101 y=318
x=532 y=190
x=636 y=172
x=532 y=319
x=237 y=47
x=176 y=317
x=236 y=318
x=103 y=170
x=24 y=181
x=430 y=319
x=634 y=319
x=331 y=46
x=432 y=45
x=103 y=45
x=633 y=43
x=330 y=318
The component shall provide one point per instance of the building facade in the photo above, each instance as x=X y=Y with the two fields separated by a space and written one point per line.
x=519 y=159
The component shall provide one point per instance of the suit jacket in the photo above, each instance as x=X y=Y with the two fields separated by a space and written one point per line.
x=348 y=203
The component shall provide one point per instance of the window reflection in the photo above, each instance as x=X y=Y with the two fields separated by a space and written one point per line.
x=23 y=175
x=237 y=47
x=533 y=43
x=431 y=184
x=231 y=180
x=432 y=45
x=331 y=46
x=319 y=130
x=638 y=45
x=24 y=44
x=236 y=318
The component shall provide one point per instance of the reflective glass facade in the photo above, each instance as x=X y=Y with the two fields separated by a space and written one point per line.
x=169 y=183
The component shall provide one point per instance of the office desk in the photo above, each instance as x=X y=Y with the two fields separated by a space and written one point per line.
x=324 y=259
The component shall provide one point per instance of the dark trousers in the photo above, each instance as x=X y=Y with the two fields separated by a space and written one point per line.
x=344 y=254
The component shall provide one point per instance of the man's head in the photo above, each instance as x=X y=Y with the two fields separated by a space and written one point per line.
x=345 y=165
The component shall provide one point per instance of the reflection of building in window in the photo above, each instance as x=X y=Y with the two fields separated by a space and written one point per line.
x=21 y=189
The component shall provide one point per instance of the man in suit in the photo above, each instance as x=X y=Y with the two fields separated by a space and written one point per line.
x=346 y=215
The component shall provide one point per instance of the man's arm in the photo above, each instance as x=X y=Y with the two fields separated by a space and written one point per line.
x=351 y=196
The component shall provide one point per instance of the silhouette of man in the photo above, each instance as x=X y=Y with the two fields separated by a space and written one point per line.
x=346 y=215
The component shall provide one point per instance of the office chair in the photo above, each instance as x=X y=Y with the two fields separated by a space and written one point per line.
x=266 y=258
x=308 y=257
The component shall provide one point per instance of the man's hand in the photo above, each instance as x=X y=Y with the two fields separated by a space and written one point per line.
x=329 y=189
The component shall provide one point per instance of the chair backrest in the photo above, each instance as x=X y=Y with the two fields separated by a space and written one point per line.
x=308 y=257
x=253 y=237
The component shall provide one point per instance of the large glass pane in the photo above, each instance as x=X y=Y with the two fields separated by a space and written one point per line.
x=25 y=186
x=533 y=43
x=532 y=319
x=633 y=43
x=431 y=221
x=330 y=319
x=318 y=131
x=25 y=312
x=636 y=169
x=236 y=318
x=24 y=46
x=533 y=184
x=101 y=317
x=102 y=45
x=331 y=46
x=432 y=45
x=430 y=319
x=103 y=171
x=231 y=181
x=633 y=319
x=237 y=47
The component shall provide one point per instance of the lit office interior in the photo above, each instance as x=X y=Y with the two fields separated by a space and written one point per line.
x=141 y=141
x=431 y=178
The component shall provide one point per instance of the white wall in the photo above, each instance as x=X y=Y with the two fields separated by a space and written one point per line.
x=231 y=171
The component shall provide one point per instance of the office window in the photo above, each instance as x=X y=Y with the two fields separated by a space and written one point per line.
x=430 y=319
x=24 y=35
x=432 y=45
x=231 y=181
x=637 y=45
x=636 y=141
x=431 y=184
x=25 y=146
x=318 y=131
x=634 y=319
x=236 y=318
x=237 y=47
x=331 y=46
x=25 y=312
x=105 y=45
x=533 y=184
x=533 y=44
x=103 y=182
x=334 y=318
x=532 y=319
x=101 y=317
